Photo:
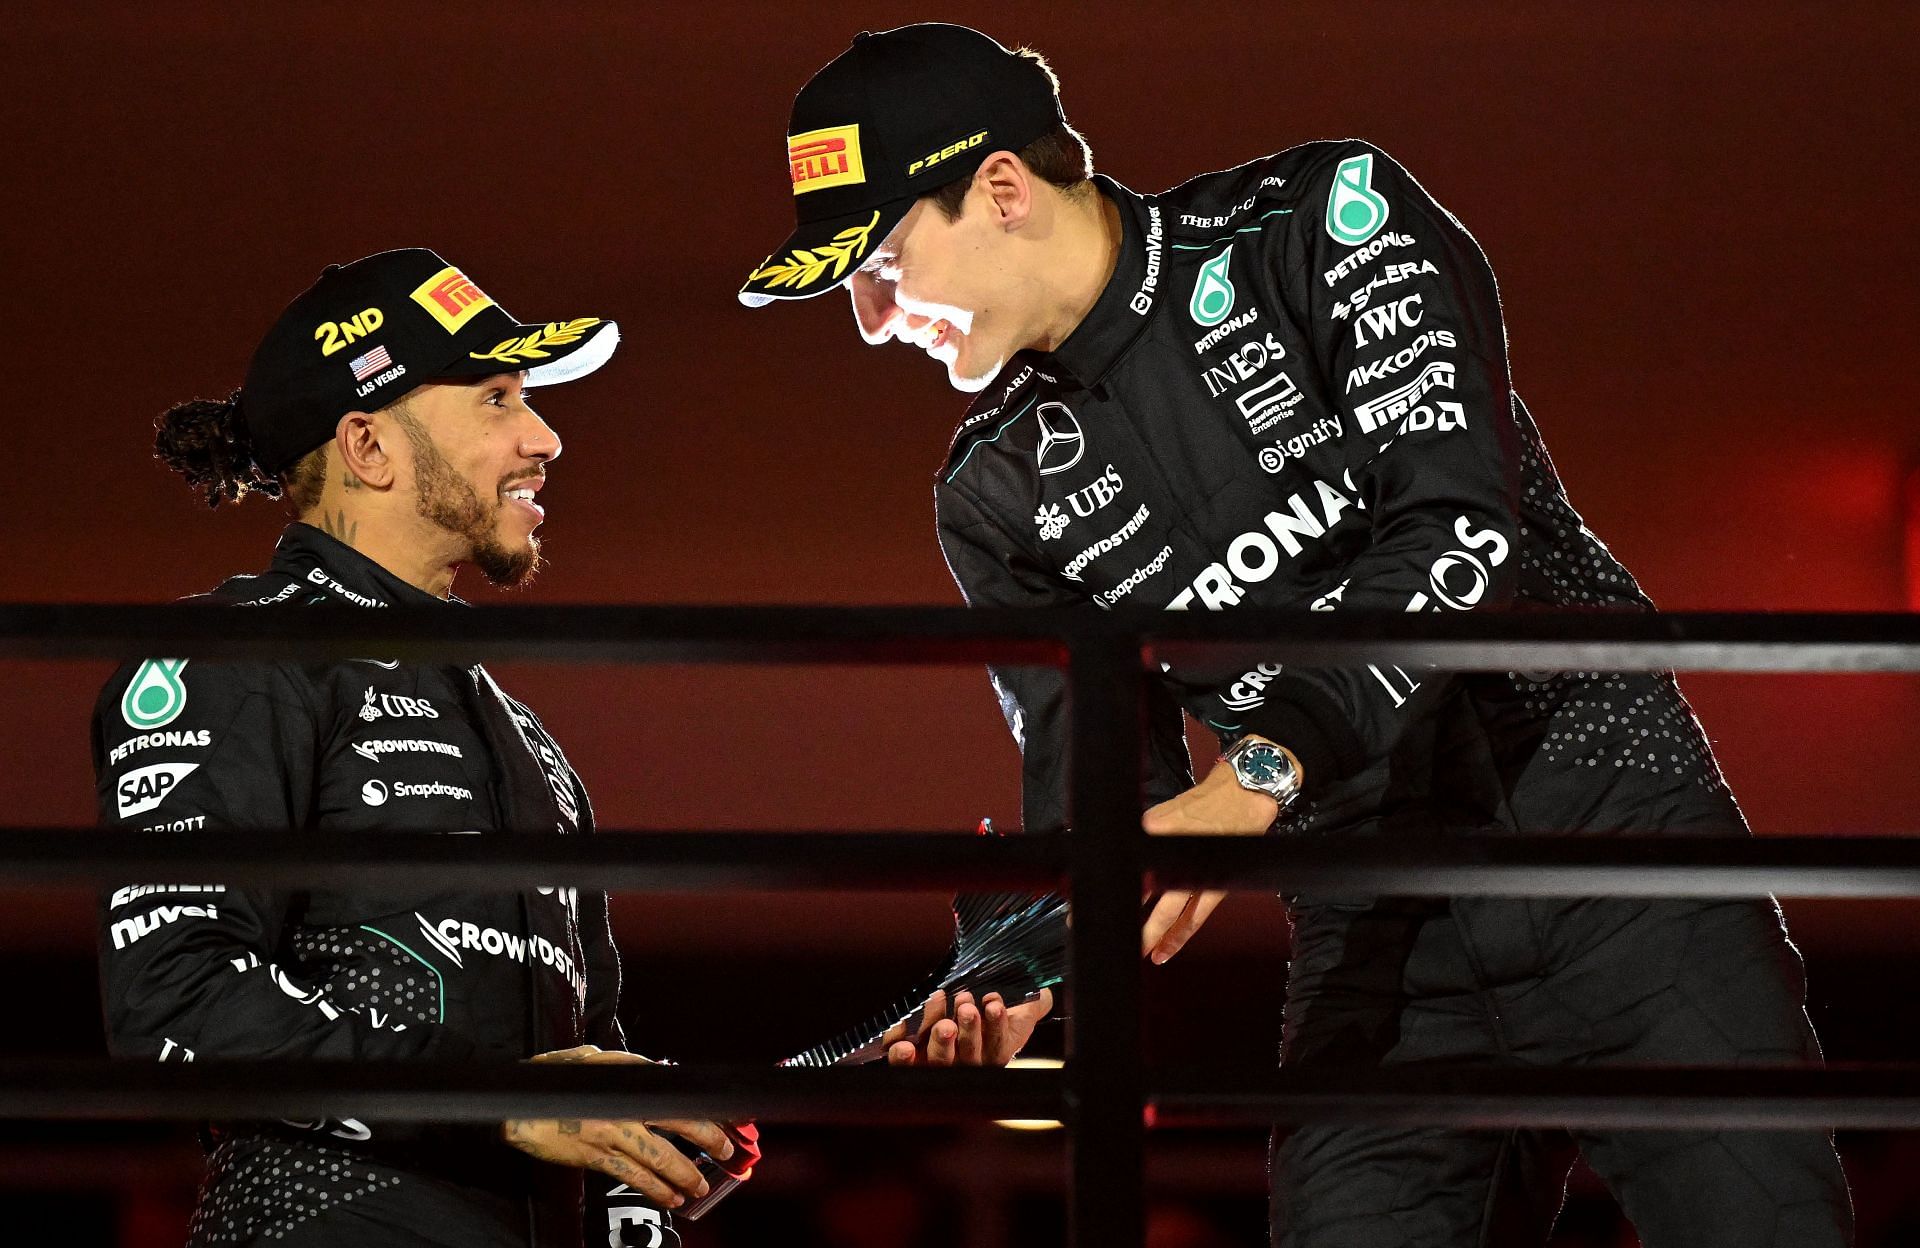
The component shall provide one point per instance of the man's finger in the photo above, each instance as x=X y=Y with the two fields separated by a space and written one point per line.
x=654 y=1154
x=941 y=1042
x=1190 y=920
x=1165 y=913
x=710 y=1136
x=637 y=1177
x=902 y=1053
x=970 y=1044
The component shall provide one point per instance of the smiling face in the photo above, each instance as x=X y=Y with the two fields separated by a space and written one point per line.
x=479 y=457
x=947 y=287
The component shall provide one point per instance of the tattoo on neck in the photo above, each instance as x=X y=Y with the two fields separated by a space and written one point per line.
x=349 y=481
x=334 y=525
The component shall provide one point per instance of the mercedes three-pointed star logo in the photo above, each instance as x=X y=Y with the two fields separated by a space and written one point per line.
x=1061 y=442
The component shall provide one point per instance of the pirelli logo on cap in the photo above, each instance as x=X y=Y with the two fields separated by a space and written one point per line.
x=824 y=158
x=451 y=298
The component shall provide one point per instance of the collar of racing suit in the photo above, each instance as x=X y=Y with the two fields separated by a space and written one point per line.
x=331 y=566
x=518 y=742
x=1121 y=312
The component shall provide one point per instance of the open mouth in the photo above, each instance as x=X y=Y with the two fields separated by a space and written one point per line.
x=522 y=496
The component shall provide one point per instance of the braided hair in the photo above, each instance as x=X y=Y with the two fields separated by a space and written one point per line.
x=206 y=441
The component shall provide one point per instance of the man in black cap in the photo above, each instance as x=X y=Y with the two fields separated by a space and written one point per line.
x=389 y=405
x=1286 y=385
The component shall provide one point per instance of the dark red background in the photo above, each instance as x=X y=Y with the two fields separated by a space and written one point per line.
x=1702 y=218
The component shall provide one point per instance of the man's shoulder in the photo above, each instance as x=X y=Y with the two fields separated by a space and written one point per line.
x=988 y=429
x=1257 y=192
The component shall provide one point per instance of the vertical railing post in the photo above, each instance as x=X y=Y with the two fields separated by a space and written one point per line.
x=1105 y=1091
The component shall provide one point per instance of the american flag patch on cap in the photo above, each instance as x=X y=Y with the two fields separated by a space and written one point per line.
x=370 y=363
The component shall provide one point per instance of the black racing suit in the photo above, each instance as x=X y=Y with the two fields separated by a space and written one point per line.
x=1293 y=392
x=203 y=971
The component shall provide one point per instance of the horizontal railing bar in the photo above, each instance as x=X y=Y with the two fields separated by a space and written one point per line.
x=1487 y=641
x=1545 y=866
x=641 y=861
x=1877 y=1097
x=1552 y=866
x=371 y=1091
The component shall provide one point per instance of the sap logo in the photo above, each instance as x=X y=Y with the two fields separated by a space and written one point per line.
x=1243 y=365
x=1250 y=690
x=1388 y=365
x=1388 y=319
x=144 y=788
x=148 y=740
x=1105 y=488
x=128 y=930
x=335 y=335
x=1254 y=557
x=1459 y=578
x=396 y=705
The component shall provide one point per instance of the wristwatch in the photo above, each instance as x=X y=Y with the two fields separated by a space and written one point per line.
x=1264 y=767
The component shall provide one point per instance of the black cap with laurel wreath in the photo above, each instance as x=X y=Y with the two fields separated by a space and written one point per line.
x=896 y=116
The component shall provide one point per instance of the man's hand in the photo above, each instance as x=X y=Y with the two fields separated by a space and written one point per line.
x=630 y=1150
x=1217 y=806
x=987 y=1034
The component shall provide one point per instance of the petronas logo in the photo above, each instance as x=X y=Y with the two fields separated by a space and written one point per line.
x=1354 y=212
x=1213 y=292
x=155 y=697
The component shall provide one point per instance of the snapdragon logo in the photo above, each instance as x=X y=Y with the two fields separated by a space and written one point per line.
x=376 y=792
x=1212 y=300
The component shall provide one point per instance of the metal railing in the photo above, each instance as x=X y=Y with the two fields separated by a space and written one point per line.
x=1103 y=1092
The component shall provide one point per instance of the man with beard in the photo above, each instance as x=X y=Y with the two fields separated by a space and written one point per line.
x=388 y=404
x=1286 y=385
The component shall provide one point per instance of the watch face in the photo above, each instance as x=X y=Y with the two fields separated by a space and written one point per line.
x=1263 y=765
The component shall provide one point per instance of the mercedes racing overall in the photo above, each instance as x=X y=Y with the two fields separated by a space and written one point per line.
x=1294 y=392
x=197 y=971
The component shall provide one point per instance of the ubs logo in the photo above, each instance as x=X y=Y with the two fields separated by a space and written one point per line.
x=1061 y=442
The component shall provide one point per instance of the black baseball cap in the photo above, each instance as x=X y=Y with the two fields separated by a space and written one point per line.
x=894 y=117
x=366 y=333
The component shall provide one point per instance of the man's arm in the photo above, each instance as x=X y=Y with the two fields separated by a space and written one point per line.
x=188 y=970
x=991 y=571
x=1405 y=322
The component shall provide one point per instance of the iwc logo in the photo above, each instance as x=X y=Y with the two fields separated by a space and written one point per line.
x=1355 y=212
x=1061 y=442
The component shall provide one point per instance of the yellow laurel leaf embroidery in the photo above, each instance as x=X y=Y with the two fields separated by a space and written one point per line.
x=534 y=346
x=805 y=266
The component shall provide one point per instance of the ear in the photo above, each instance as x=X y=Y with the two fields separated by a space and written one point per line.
x=363 y=456
x=1007 y=185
